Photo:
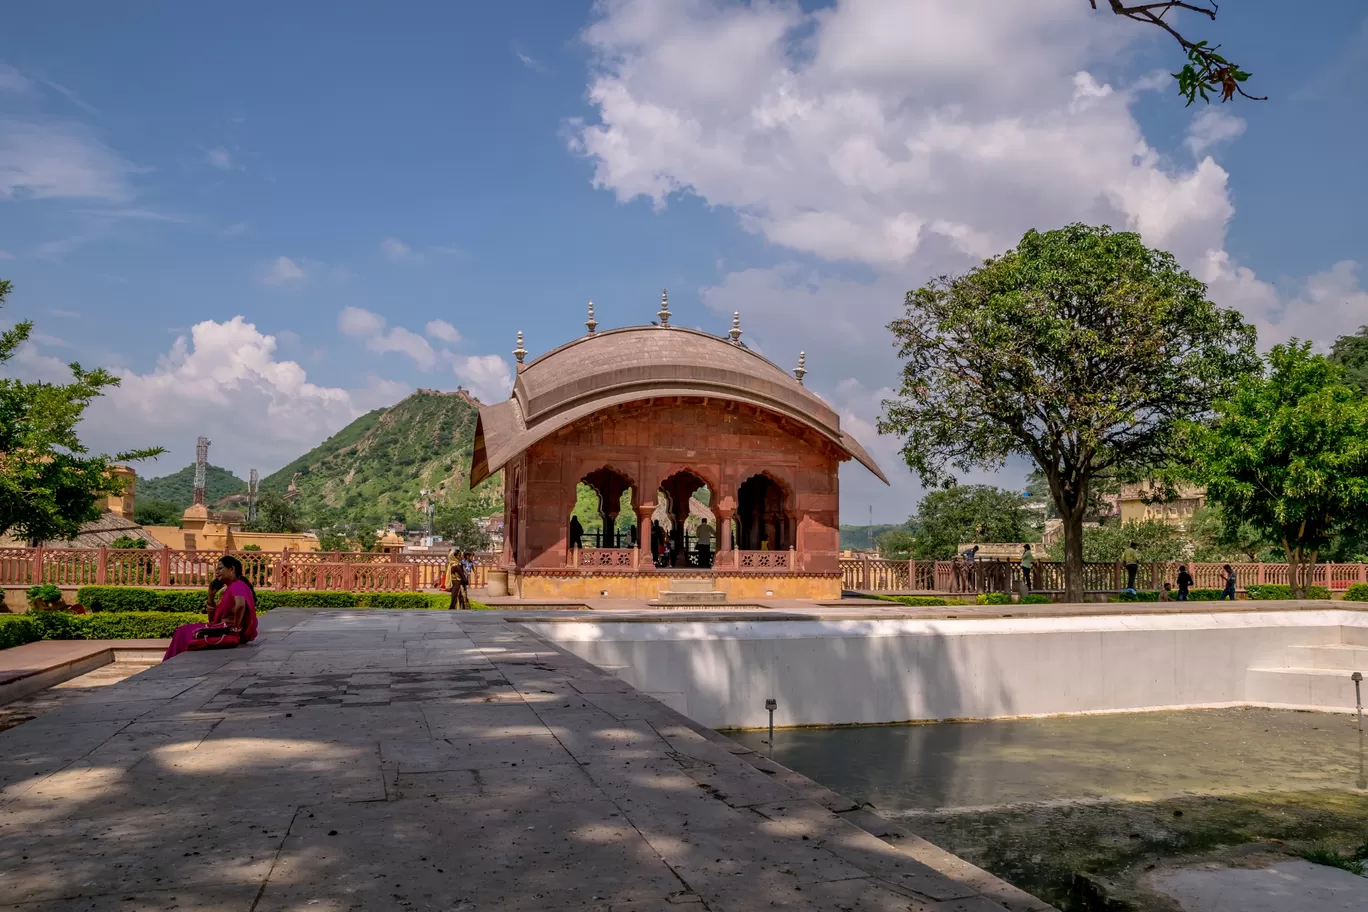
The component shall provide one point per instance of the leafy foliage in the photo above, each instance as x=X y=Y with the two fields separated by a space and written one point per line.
x=18 y=629
x=49 y=483
x=1351 y=353
x=371 y=472
x=1287 y=454
x=128 y=598
x=178 y=488
x=897 y=544
x=457 y=525
x=1081 y=349
x=44 y=593
x=866 y=538
x=152 y=512
x=967 y=513
x=1215 y=539
x=275 y=513
x=1358 y=592
x=1278 y=591
x=1156 y=540
x=993 y=598
x=125 y=542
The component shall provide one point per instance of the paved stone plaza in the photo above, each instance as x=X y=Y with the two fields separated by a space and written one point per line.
x=429 y=761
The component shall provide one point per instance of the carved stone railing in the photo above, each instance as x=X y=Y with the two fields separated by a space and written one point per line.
x=607 y=558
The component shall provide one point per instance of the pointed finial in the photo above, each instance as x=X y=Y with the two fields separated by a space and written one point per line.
x=591 y=322
x=800 y=371
x=664 y=312
x=520 y=352
x=735 y=331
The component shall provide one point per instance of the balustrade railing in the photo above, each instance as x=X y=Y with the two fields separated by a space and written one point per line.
x=358 y=571
x=880 y=575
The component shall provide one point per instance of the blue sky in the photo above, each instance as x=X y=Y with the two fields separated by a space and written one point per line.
x=343 y=182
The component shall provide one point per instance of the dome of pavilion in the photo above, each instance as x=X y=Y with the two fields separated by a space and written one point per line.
x=615 y=367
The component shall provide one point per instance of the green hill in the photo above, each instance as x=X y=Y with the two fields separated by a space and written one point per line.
x=371 y=471
x=179 y=487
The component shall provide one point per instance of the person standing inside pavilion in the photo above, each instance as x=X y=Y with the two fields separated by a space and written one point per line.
x=703 y=535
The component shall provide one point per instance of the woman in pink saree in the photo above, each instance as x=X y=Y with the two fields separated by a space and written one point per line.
x=236 y=607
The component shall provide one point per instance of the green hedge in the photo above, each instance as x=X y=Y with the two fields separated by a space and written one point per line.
x=16 y=630
x=1142 y=595
x=1264 y=591
x=993 y=598
x=129 y=598
x=1358 y=592
x=1203 y=595
x=1036 y=598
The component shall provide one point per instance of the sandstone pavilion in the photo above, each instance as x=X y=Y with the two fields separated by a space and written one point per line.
x=656 y=419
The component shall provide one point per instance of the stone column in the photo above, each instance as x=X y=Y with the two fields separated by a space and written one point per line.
x=643 y=512
x=724 y=530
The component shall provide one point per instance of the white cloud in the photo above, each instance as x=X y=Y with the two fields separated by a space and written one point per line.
x=236 y=229
x=283 y=271
x=220 y=158
x=355 y=321
x=396 y=251
x=52 y=159
x=443 y=331
x=11 y=80
x=223 y=380
x=488 y=377
x=529 y=61
x=1211 y=127
x=907 y=139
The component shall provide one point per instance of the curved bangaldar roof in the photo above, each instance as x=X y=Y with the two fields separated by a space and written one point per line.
x=618 y=366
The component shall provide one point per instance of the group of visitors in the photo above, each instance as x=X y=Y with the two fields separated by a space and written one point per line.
x=668 y=548
x=460 y=571
x=231 y=605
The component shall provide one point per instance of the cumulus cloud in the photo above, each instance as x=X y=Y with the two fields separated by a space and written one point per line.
x=443 y=331
x=224 y=380
x=488 y=377
x=370 y=327
x=885 y=144
x=1212 y=127
x=396 y=251
x=283 y=271
x=53 y=159
x=219 y=157
x=11 y=80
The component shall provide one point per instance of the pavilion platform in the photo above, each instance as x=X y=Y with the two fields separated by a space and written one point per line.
x=429 y=760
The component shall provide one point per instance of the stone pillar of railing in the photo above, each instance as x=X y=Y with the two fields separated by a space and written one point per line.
x=645 y=557
x=102 y=565
x=38 y=566
x=867 y=575
x=793 y=559
x=1261 y=572
x=164 y=568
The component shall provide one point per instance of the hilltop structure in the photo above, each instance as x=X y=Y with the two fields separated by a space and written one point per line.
x=657 y=413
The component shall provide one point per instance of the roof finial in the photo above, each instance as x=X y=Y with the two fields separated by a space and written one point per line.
x=664 y=312
x=591 y=322
x=735 y=331
x=800 y=371
x=520 y=352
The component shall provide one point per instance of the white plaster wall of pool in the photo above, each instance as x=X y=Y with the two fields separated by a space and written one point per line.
x=831 y=672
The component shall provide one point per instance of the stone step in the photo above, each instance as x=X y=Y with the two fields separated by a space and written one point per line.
x=1317 y=688
x=1354 y=636
x=675 y=598
x=1344 y=657
x=692 y=585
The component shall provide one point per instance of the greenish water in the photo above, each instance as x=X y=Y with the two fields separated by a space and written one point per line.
x=1077 y=809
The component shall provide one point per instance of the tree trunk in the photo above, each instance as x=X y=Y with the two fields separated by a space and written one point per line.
x=1073 y=557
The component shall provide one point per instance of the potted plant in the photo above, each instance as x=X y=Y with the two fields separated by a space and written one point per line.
x=46 y=597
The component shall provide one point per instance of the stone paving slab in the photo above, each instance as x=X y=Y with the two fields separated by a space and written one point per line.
x=363 y=760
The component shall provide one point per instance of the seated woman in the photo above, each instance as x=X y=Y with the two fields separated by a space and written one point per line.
x=236 y=608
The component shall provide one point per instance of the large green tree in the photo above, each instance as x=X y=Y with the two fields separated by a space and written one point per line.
x=275 y=513
x=1081 y=349
x=969 y=513
x=458 y=525
x=1351 y=353
x=50 y=484
x=1288 y=455
x=1155 y=539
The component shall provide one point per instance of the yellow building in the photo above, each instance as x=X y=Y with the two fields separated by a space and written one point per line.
x=202 y=529
x=1177 y=512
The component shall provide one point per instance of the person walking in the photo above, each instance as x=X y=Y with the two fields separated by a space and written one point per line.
x=453 y=579
x=1027 y=562
x=467 y=577
x=957 y=572
x=703 y=535
x=1131 y=558
x=1229 y=591
x=970 y=574
x=657 y=542
x=1184 y=582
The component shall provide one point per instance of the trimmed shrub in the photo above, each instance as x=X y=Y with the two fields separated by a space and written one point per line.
x=1202 y=595
x=1142 y=595
x=16 y=630
x=55 y=625
x=267 y=598
x=46 y=592
x=993 y=598
x=129 y=598
x=132 y=625
x=1036 y=598
x=1358 y=592
x=923 y=601
x=403 y=600
x=1265 y=591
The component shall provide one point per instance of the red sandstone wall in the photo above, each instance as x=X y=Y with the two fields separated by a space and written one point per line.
x=722 y=442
